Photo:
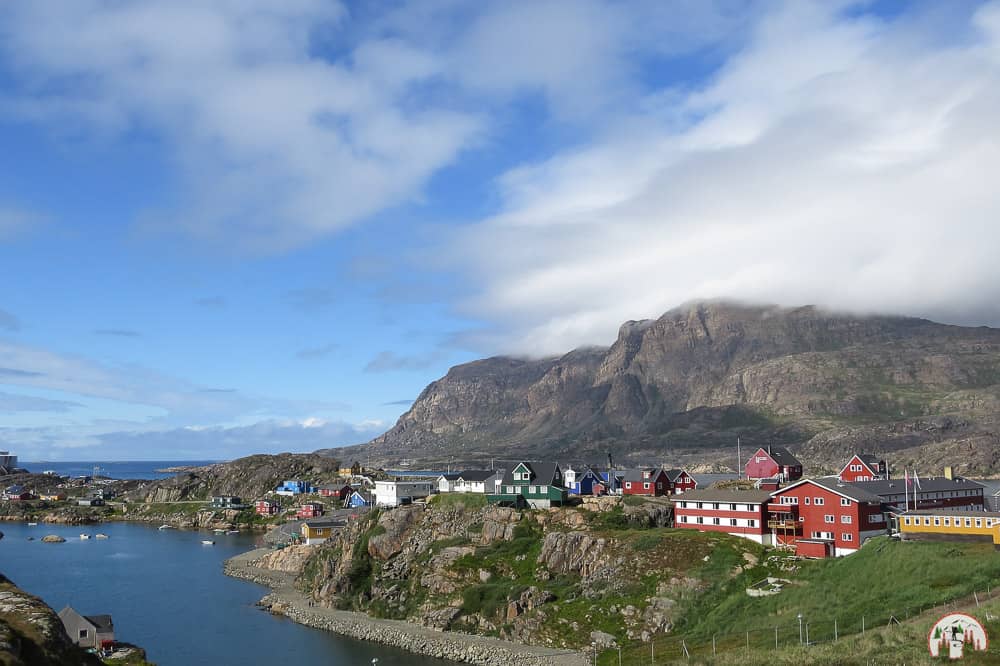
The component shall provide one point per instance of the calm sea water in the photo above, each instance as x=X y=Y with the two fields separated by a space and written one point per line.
x=122 y=469
x=166 y=592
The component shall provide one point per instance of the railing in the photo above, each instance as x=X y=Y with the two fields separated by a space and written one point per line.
x=784 y=524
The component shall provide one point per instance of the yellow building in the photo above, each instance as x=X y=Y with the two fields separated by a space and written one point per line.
x=52 y=497
x=318 y=531
x=948 y=524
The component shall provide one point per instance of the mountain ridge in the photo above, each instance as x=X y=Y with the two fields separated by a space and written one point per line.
x=684 y=386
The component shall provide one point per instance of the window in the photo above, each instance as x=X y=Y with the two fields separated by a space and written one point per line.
x=732 y=522
x=828 y=519
x=927 y=521
x=732 y=507
x=683 y=505
x=715 y=521
x=947 y=521
x=645 y=486
x=699 y=505
x=937 y=522
x=684 y=519
x=979 y=522
x=659 y=485
x=906 y=520
x=510 y=490
x=700 y=520
x=819 y=501
x=847 y=536
x=533 y=490
x=715 y=506
x=84 y=633
x=751 y=507
x=847 y=520
x=845 y=502
x=628 y=484
x=807 y=500
x=752 y=523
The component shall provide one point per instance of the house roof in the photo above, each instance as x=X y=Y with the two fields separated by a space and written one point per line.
x=363 y=494
x=636 y=474
x=869 y=459
x=853 y=491
x=450 y=476
x=476 y=474
x=783 y=456
x=541 y=472
x=102 y=623
x=324 y=522
x=930 y=484
x=674 y=474
x=725 y=495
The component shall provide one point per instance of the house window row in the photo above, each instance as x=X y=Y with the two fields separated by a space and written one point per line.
x=718 y=506
x=728 y=522
x=949 y=521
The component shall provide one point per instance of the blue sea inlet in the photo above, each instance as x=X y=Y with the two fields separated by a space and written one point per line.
x=166 y=592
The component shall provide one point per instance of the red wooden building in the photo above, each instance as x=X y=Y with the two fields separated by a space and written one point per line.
x=773 y=463
x=680 y=481
x=738 y=512
x=341 y=492
x=645 y=481
x=267 y=508
x=827 y=510
x=309 y=510
x=864 y=467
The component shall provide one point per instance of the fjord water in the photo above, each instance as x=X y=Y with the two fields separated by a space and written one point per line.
x=117 y=469
x=166 y=592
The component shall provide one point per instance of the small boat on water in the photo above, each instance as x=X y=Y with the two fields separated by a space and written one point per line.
x=84 y=536
x=165 y=527
x=31 y=538
x=101 y=536
x=208 y=542
x=32 y=524
x=233 y=532
x=219 y=531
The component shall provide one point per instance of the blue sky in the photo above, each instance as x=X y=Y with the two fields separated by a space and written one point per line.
x=242 y=227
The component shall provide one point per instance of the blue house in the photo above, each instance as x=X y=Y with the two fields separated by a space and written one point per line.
x=591 y=482
x=295 y=487
x=612 y=479
x=358 y=499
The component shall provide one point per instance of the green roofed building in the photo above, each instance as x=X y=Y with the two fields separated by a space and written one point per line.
x=531 y=484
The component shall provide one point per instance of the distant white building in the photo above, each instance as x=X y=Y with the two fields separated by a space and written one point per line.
x=395 y=493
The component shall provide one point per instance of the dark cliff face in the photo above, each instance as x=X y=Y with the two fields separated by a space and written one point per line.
x=687 y=384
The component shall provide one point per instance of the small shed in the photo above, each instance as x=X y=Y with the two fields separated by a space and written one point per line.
x=814 y=548
x=89 y=631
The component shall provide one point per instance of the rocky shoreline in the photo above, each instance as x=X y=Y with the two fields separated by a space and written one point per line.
x=285 y=600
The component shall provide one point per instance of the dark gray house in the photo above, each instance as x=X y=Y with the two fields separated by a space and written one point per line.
x=89 y=631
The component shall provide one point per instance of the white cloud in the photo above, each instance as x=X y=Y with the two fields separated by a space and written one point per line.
x=837 y=159
x=276 y=144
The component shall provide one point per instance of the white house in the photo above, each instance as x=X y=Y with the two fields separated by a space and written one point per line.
x=477 y=481
x=446 y=482
x=394 y=493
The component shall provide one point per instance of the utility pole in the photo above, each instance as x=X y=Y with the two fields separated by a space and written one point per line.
x=739 y=460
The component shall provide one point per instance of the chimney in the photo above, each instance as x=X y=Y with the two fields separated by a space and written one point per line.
x=949 y=473
x=611 y=462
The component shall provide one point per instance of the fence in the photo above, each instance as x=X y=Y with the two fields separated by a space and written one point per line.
x=757 y=639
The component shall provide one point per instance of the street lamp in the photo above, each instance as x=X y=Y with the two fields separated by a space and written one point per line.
x=800 y=628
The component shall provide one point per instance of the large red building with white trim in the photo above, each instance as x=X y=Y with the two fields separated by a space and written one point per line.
x=842 y=515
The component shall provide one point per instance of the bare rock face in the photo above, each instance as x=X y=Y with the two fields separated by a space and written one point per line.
x=289 y=559
x=689 y=382
x=589 y=556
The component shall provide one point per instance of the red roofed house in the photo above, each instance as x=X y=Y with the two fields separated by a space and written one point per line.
x=773 y=463
x=828 y=516
x=864 y=467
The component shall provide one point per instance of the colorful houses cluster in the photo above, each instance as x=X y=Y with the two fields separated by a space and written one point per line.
x=828 y=516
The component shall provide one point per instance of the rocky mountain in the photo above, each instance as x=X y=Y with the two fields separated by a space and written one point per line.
x=683 y=387
x=247 y=477
x=31 y=633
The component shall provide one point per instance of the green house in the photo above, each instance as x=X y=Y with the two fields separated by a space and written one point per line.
x=535 y=485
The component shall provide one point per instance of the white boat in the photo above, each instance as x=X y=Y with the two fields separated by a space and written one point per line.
x=32 y=524
x=84 y=536
x=165 y=527
x=208 y=542
x=219 y=531
x=102 y=536
x=233 y=532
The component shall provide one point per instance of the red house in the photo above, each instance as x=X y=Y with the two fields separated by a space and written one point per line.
x=267 y=508
x=341 y=492
x=680 y=481
x=773 y=463
x=646 y=481
x=738 y=512
x=864 y=467
x=310 y=510
x=842 y=515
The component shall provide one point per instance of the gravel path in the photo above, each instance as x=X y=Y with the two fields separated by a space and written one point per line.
x=465 y=648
